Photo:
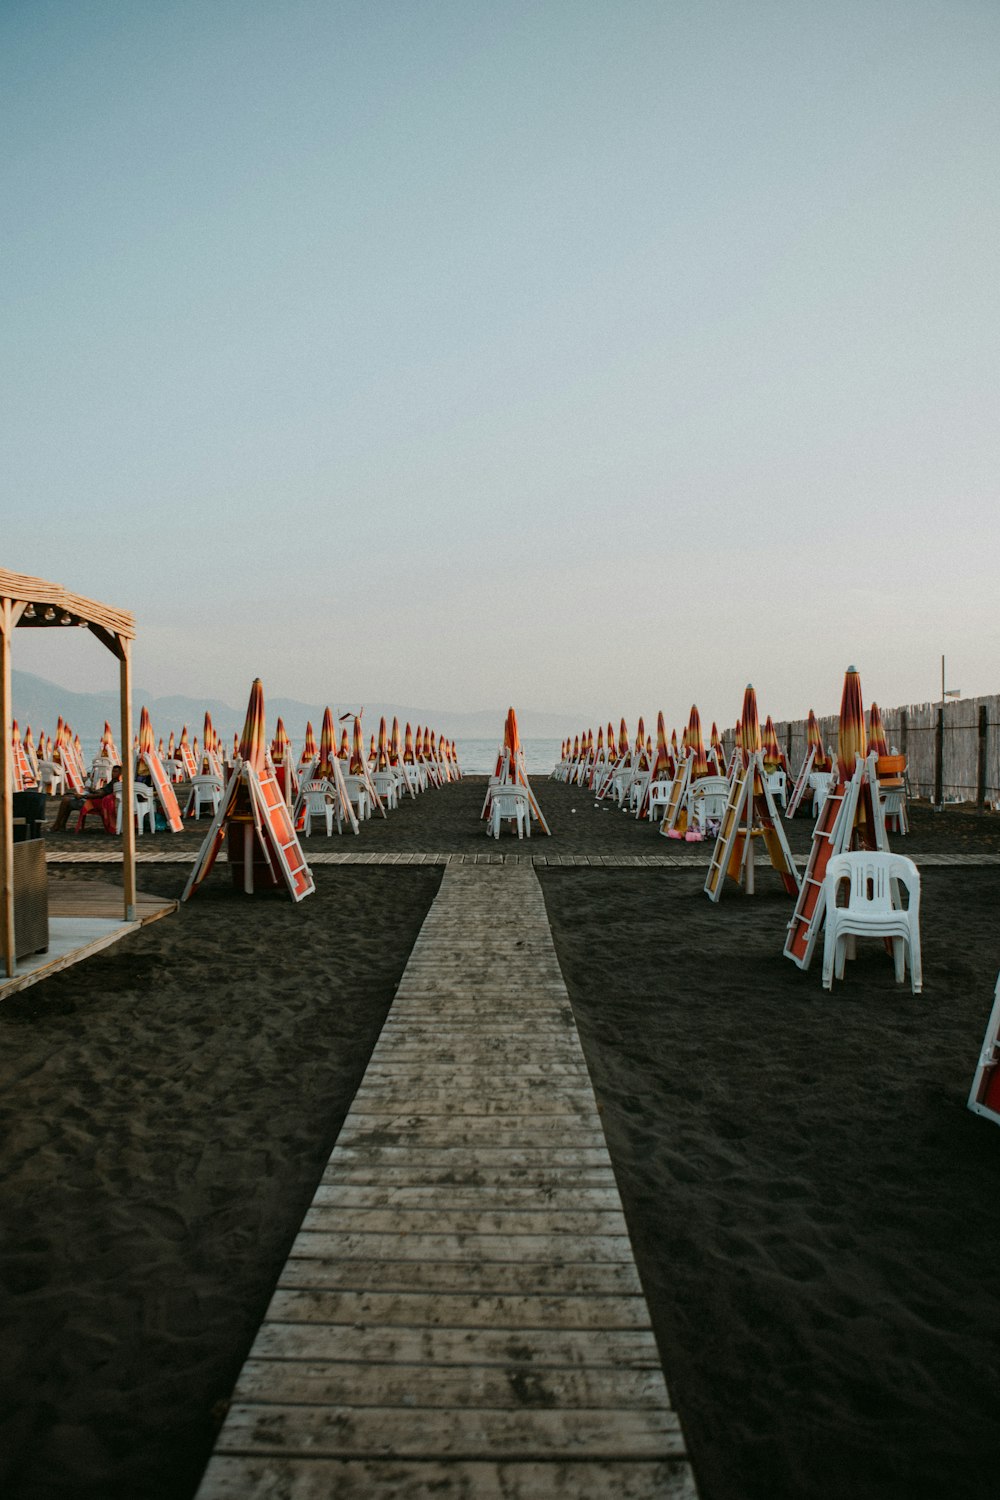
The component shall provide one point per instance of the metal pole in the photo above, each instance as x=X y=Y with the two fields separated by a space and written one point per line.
x=7 y=799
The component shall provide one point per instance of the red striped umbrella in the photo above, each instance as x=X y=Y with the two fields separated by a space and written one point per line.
x=327 y=744
x=851 y=737
x=640 y=736
x=718 y=749
x=750 y=724
x=382 y=748
x=345 y=745
x=310 y=750
x=814 y=741
x=409 y=755
x=427 y=743
x=661 y=765
x=695 y=743
x=876 y=732
x=395 y=745
x=145 y=731
x=252 y=746
x=512 y=738
x=358 y=764
x=773 y=758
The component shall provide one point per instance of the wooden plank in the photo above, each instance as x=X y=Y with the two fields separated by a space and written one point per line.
x=536 y=1198
x=487 y=1278
x=391 y=1245
x=334 y=1382
x=239 y=1477
x=457 y=1310
x=625 y=1348
x=410 y=1432
x=446 y=1219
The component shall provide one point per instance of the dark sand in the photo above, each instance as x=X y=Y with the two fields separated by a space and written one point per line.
x=815 y=1214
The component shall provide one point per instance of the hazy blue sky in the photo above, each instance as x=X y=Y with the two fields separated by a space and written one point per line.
x=585 y=356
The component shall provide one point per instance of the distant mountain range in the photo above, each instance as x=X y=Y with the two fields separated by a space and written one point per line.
x=39 y=703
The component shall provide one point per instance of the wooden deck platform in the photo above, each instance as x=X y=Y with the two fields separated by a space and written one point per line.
x=84 y=917
x=461 y=1314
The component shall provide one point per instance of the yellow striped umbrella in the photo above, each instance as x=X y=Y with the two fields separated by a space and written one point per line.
x=623 y=741
x=310 y=750
x=661 y=765
x=750 y=724
x=327 y=744
x=427 y=742
x=409 y=755
x=382 y=749
x=718 y=749
x=145 y=731
x=695 y=743
x=252 y=746
x=851 y=737
x=640 y=736
x=358 y=764
x=29 y=748
x=876 y=732
x=395 y=744
x=773 y=758
x=600 y=741
x=814 y=741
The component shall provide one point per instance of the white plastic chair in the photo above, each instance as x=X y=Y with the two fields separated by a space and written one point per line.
x=778 y=785
x=100 y=772
x=707 y=799
x=320 y=798
x=51 y=778
x=820 y=783
x=659 y=798
x=510 y=803
x=873 y=909
x=143 y=805
x=385 y=783
x=206 y=791
x=358 y=793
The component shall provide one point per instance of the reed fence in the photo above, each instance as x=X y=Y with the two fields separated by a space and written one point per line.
x=952 y=749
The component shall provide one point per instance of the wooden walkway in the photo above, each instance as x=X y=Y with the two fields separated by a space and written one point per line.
x=461 y=1314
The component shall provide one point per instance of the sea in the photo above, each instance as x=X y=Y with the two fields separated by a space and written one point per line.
x=476 y=757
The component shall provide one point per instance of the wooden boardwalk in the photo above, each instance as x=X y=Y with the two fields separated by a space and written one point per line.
x=461 y=1315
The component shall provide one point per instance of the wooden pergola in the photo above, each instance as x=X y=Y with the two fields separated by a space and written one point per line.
x=33 y=603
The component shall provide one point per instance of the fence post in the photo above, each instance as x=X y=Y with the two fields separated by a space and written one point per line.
x=904 y=730
x=788 y=743
x=981 y=766
x=939 y=759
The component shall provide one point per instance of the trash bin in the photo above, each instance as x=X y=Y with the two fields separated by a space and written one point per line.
x=31 y=898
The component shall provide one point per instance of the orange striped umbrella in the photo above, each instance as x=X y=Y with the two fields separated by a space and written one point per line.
x=511 y=735
x=750 y=724
x=640 y=736
x=345 y=746
x=327 y=744
x=773 y=757
x=395 y=745
x=851 y=737
x=427 y=742
x=876 y=732
x=718 y=749
x=145 y=731
x=208 y=738
x=171 y=746
x=409 y=755
x=661 y=766
x=382 y=748
x=281 y=750
x=623 y=741
x=159 y=747
x=29 y=748
x=814 y=741
x=696 y=745
x=252 y=744
x=358 y=764
x=310 y=750
x=600 y=741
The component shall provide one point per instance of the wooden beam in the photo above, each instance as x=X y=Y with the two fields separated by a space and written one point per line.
x=7 y=790
x=124 y=654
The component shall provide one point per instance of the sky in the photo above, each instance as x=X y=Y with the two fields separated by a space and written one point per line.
x=592 y=357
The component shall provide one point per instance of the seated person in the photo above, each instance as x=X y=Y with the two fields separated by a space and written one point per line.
x=73 y=804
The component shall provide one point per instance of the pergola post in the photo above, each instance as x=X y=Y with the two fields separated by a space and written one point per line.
x=7 y=779
x=128 y=777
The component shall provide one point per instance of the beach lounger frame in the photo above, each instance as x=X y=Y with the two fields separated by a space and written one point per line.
x=984 y=1096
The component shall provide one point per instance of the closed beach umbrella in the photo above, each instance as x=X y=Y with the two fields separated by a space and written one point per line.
x=145 y=732
x=358 y=764
x=876 y=732
x=310 y=750
x=623 y=744
x=395 y=744
x=345 y=745
x=409 y=755
x=428 y=753
x=382 y=748
x=851 y=737
x=773 y=758
x=327 y=745
x=29 y=749
x=252 y=743
x=640 y=736
x=814 y=741
x=675 y=754
x=750 y=724
x=699 y=760
x=511 y=737
x=718 y=749
x=661 y=765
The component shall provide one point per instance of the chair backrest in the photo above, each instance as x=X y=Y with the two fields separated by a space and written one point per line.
x=508 y=799
x=871 y=874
